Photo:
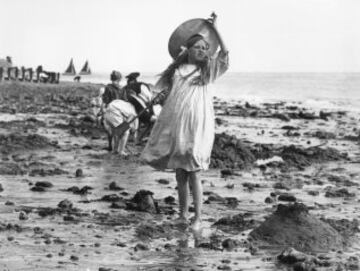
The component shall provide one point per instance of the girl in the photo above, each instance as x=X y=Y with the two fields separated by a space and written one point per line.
x=183 y=135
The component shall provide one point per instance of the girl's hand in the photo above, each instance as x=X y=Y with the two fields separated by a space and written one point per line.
x=212 y=19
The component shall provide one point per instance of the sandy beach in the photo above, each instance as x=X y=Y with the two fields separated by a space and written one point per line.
x=68 y=204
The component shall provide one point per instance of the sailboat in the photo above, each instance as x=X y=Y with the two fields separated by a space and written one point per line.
x=86 y=68
x=70 y=69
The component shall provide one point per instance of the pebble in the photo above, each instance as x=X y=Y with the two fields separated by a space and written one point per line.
x=163 y=181
x=269 y=200
x=229 y=244
x=226 y=172
x=69 y=218
x=37 y=189
x=65 y=204
x=45 y=184
x=224 y=267
x=79 y=173
x=141 y=247
x=287 y=197
x=169 y=200
x=74 y=258
x=23 y=216
x=113 y=186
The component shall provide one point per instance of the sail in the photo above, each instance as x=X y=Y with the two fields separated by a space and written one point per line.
x=85 y=69
x=70 y=69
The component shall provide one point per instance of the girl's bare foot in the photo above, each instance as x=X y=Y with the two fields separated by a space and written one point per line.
x=125 y=154
x=196 y=224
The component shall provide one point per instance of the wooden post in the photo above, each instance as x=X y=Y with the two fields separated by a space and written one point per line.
x=31 y=74
x=22 y=73
x=16 y=73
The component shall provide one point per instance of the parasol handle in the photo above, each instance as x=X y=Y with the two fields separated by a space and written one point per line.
x=212 y=18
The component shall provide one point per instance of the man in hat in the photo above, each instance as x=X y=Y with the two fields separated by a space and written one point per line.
x=133 y=86
x=140 y=96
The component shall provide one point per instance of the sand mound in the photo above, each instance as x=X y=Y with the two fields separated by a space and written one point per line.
x=230 y=152
x=292 y=225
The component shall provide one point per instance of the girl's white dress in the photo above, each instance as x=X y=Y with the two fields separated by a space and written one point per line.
x=183 y=134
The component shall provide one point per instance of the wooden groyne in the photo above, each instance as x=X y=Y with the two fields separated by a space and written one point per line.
x=39 y=75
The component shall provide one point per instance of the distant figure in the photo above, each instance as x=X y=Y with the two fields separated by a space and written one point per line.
x=132 y=85
x=45 y=76
x=42 y=76
x=9 y=60
x=118 y=112
x=114 y=91
x=96 y=104
x=1 y=73
x=140 y=95
x=77 y=78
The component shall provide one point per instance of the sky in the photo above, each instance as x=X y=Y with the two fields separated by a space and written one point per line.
x=132 y=35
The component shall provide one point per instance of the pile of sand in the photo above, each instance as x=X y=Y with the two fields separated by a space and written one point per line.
x=292 y=225
x=230 y=152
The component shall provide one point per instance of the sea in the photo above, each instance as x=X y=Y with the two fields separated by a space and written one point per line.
x=323 y=91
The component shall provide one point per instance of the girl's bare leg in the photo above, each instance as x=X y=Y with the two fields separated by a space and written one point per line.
x=123 y=142
x=197 y=192
x=183 y=191
x=115 y=148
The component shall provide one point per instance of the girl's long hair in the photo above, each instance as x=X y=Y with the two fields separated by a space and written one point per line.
x=166 y=77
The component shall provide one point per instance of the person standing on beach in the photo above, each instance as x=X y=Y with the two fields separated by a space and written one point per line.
x=113 y=91
x=183 y=135
x=116 y=109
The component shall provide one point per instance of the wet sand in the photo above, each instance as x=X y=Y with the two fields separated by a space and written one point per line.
x=100 y=226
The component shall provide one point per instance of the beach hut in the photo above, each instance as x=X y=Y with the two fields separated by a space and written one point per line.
x=70 y=69
x=85 y=69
